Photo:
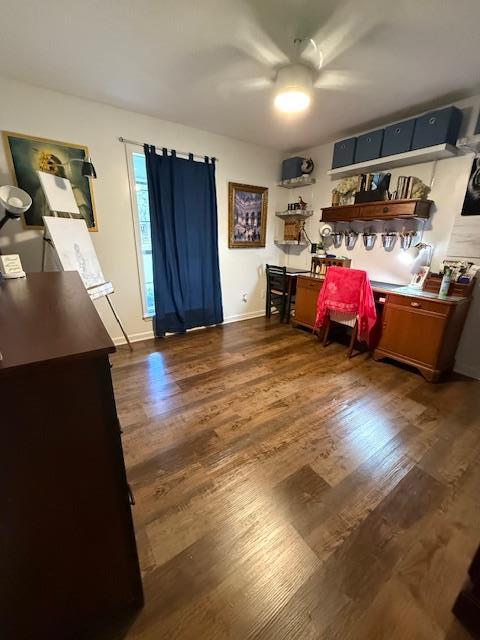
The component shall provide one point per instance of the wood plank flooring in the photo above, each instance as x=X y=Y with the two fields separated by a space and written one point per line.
x=284 y=492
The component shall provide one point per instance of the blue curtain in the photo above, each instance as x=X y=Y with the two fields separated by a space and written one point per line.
x=183 y=217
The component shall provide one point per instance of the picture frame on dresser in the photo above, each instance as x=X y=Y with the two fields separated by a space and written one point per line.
x=418 y=278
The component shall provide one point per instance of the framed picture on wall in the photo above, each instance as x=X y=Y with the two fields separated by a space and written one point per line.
x=471 y=204
x=247 y=215
x=27 y=155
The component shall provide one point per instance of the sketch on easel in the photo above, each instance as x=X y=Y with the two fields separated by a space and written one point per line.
x=75 y=251
x=70 y=240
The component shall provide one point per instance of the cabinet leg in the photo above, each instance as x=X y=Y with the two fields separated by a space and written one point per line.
x=429 y=375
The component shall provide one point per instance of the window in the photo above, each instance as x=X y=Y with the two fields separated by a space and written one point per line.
x=142 y=231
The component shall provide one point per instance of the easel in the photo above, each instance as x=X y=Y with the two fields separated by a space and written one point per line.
x=115 y=314
x=48 y=242
x=62 y=194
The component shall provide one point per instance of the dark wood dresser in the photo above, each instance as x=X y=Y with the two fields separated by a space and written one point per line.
x=68 y=558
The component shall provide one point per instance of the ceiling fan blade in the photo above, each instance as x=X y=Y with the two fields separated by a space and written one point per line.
x=252 y=39
x=338 y=80
x=244 y=85
x=345 y=27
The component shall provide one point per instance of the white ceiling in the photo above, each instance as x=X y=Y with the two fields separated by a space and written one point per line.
x=204 y=62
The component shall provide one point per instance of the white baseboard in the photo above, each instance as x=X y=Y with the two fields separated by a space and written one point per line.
x=146 y=335
x=470 y=372
x=244 y=316
x=133 y=337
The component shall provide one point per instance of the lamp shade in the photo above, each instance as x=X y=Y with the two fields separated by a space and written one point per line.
x=14 y=200
x=293 y=88
x=88 y=170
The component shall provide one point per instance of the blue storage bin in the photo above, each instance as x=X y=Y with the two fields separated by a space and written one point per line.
x=344 y=153
x=437 y=127
x=292 y=168
x=398 y=138
x=369 y=146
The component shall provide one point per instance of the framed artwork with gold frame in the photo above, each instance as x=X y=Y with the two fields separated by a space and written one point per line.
x=28 y=154
x=247 y=215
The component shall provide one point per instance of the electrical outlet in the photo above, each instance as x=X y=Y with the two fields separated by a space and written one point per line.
x=244 y=297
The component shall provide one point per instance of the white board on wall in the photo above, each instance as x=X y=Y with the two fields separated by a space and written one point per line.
x=465 y=238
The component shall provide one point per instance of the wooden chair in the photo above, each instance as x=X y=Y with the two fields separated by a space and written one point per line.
x=347 y=320
x=277 y=291
x=346 y=298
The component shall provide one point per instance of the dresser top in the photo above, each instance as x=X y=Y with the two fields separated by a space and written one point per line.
x=46 y=317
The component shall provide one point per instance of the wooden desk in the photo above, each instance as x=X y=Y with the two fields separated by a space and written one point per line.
x=415 y=327
x=67 y=548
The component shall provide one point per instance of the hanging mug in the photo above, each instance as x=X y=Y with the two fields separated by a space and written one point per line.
x=369 y=240
x=350 y=239
x=388 y=240
x=337 y=237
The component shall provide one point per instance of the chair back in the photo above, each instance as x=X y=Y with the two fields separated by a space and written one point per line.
x=347 y=291
x=277 y=278
x=343 y=288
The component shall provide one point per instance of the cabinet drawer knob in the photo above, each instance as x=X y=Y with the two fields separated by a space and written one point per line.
x=385 y=209
x=415 y=304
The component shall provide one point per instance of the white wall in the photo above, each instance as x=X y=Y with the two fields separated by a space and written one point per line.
x=449 y=179
x=39 y=112
x=31 y=110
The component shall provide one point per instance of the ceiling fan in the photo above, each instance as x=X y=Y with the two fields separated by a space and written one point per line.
x=294 y=83
x=302 y=65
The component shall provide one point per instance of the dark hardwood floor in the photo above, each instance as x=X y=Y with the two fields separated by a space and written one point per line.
x=285 y=492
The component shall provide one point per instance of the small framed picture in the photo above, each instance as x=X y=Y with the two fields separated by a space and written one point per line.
x=419 y=278
x=247 y=215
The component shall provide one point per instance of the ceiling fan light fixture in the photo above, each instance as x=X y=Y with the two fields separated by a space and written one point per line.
x=293 y=88
x=292 y=101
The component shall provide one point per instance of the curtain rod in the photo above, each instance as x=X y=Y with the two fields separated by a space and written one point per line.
x=181 y=153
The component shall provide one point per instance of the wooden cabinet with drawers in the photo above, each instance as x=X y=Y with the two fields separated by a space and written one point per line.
x=68 y=556
x=308 y=288
x=418 y=329
x=383 y=210
x=422 y=333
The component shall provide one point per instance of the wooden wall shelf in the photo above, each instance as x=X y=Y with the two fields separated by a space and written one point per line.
x=417 y=156
x=290 y=243
x=381 y=210
x=294 y=214
x=294 y=183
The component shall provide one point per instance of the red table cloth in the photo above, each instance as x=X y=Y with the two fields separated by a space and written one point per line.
x=348 y=291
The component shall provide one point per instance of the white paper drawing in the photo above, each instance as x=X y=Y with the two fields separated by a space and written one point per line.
x=76 y=252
